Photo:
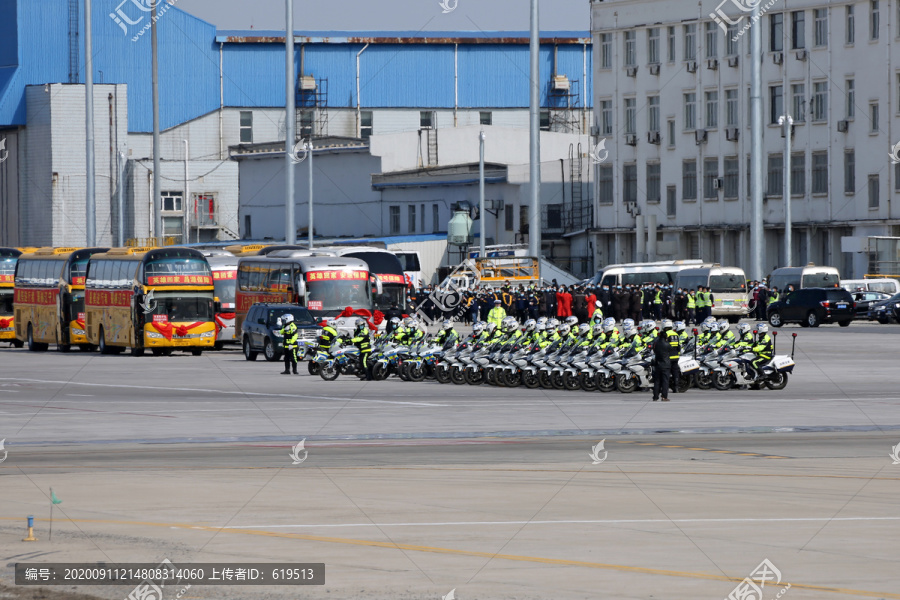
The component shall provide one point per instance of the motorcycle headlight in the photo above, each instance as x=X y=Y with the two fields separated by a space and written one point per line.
x=154 y=336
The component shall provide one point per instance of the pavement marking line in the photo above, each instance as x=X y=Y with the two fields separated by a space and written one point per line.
x=88 y=410
x=224 y=392
x=477 y=554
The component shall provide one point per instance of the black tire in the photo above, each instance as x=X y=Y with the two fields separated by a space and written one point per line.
x=685 y=381
x=556 y=380
x=775 y=319
x=157 y=351
x=474 y=377
x=137 y=351
x=703 y=382
x=588 y=382
x=249 y=353
x=605 y=384
x=63 y=347
x=723 y=381
x=812 y=319
x=33 y=345
x=511 y=379
x=844 y=323
x=329 y=373
x=442 y=373
x=530 y=380
x=490 y=376
x=416 y=373
x=777 y=381
x=197 y=352
x=883 y=321
x=544 y=380
x=104 y=348
x=626 y=383
x=313 y=368
x=457 y=375
x=269 y=351
x=572 y=382
x=403 y=372
x=18 y=343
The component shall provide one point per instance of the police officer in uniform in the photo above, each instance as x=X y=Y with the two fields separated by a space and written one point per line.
x=363 y=342
x=666 y=350
x=289 y=334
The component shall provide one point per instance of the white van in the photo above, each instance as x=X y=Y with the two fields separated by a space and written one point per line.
x=809 y=276
x=888 y=286
x=728 y=285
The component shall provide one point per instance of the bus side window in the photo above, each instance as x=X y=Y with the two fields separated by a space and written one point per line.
x=255 y=277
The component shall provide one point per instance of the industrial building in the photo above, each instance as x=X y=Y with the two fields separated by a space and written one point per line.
x=382 y=108
x=671 y=97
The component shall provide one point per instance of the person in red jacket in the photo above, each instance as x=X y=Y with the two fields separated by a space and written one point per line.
x=591 y=303
x=564 y=300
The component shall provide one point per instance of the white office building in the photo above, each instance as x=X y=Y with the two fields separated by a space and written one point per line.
x=672 y=100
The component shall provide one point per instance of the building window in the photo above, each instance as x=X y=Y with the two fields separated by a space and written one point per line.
x=365 y=124
x=653 y=113
x=653 y=183
x=798 y=29
x=873 y=20
x=545 y=120
x=248 y=228
x=422 y=218
x=712 y=39
x=523 y=219
x=307 y=118
x=670 y=131
x=653 y=45
x=732 y=177
x=605 y=180
x=689 y=180
x=205 y=210
x=671 y=200
x=690 y=111
x=775 y=176
x=173 y=227
x=873 y=191
x=171 y=201
x=850 y=25
x=820 y=172
x=897 y=177
x=630 y=126
x=508 y=212
x=731 y=107
x=849 y=172
x=395 y=220
x=606 y=117
x=629 y=180
x=712 y=110
x=873 y=117
x=435 y=218
x=670 y=44
x=798 y=102
x=710 y=177
x=486 y=117
x=630 y=50
x=426 y=119
x=412 y=218
x=819 y=106
x=246 y=128
x=776 y=32
x=690 y=41
x=851 y=98
x=776 y=108
x=821 y=22
x=605 y=50
x=732 y=43
x=798 y=173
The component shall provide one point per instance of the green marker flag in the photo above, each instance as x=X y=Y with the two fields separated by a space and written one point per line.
x=53 y=497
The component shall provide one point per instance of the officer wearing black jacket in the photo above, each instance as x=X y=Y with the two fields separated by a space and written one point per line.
x=363 y=342
x=666 y=351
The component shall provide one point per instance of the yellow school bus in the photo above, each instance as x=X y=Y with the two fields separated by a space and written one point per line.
x=49 y=297
x=150 y=298
x=8 y=259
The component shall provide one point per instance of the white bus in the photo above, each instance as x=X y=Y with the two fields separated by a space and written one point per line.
x=662 y=272
x=727 y=284
x=809 y=276
x=224 y=269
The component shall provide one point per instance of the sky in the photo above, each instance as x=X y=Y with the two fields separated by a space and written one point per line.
x=391 y=15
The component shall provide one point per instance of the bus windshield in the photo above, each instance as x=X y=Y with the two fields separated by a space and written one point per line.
x=392 y=293
x=8 y=266
x=410 y=261
x=727 y=284
x=6 y=302
x=177 y=266
x=78 y=270
x=820 y=280
x=225 y=290
x=336 y=295
x=177 y=306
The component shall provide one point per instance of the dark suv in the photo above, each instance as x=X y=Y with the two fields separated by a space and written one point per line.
x=259 y=331
x=813 y=306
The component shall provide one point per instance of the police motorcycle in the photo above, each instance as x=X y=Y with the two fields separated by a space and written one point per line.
x=344 y=360
x=421 y=360
x=388 y=357
x=636 y=372
x=736 y=369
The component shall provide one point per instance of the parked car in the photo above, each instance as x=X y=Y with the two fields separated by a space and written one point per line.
x=865 y=301
x=260 y=330
x=810 y=307
x=886 y=311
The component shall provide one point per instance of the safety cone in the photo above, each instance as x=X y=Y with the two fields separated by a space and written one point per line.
x=30 y=537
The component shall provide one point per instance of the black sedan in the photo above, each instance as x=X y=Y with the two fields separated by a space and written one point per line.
x=866 y=300
x=886 y=311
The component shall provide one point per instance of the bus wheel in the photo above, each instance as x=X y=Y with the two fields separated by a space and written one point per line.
x=32 y=345
x=18 y=343
x=137 y=351
x=63 y=347
x=104 y=348
x=197 y=352
x=87 y=347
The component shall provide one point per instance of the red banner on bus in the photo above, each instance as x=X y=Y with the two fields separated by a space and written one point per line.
x=78 y=281
x=388 y=278
x=7 y=279
x=41 y=297
x=245 y=301
x=101 y=298
x=179 y=280
x=217 y=275
x=337 y=276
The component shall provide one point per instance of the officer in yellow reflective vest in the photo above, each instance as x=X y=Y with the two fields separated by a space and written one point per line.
x=496 y=314
x=289 y=337
x=692 y=308
x=363 y=342
x=666 y=351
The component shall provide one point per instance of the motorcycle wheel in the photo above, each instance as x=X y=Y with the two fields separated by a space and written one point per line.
x=544 y=380
x=457 y=375
x=442 y=374
x=572 y=382
x=404 y=371
x=704 y=382
x=556 y=380
x=474 y=377
x=588 y=383
x=380 y=371
x=777 y=381
x=626 y=384
x=329 y=373
x=605 y=384
x=313 y=367
x=684 y=383
x=724 y=381
x=416 y=373
x=530 y=380
x=511 y=379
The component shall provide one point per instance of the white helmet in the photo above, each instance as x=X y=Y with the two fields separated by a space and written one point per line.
x=395 y=322
x=563 y=329
x=478 y=327
x=628 y=324
x=706 y=327
x=541 y=326
x=608 y=322
x=666 y=324
x=553 y=323
x=598 y=329
x=542 y=320
x=491 y=327
x=631 y=332
x=583 y=329
x=448 y=324
x=509 y=324
x=530 y=325
x=647 y=326
x=680 y=326
x=287 y=318
x=571 y=321
x=762 y=328
x=744 y=328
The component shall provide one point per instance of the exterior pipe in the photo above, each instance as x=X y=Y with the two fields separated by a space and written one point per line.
x=358 y=122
